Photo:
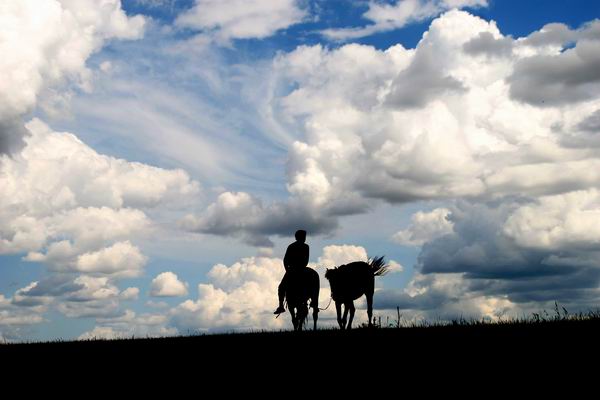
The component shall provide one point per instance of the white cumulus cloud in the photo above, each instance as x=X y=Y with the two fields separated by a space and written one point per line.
x=76 y=209
x=424 y=227
x=47 y=43
x=566 y=221
x=243 y=295
x=167 y=284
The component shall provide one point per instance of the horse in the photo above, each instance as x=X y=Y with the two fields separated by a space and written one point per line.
x=304 y=285
x=349 y=282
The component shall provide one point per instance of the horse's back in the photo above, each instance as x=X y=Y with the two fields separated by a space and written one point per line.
x=312 y=276
x=303 y=284
x=357 y=278
x=356 y=268
x=305 y=275
x=357 y=272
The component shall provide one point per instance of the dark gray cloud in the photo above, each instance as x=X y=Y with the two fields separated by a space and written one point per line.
x=480 y=261
x=244 y=216
x=43 y=291
x=480 y=249
x=586 y=134
x=486 y=44
x=591 y=30
x=55 y=285
x=422 y=81
x=591 y=123
x=12 y=134
x=553 y=80
x=556 y=34
x=283 y=219
x=75 y=297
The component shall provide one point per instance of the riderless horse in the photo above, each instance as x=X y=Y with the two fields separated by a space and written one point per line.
x=351 y=281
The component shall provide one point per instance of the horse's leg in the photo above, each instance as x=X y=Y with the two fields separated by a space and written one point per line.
x=338 y=310
x=352 y=310
x=345 y=317
x=305 y=319
x=369 y=293
x=302 y=313
x=293 y=314
x=314 y=303
x=370 y=308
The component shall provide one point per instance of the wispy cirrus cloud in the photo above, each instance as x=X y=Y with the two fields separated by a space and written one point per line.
x=389 y=16
x=241 y=19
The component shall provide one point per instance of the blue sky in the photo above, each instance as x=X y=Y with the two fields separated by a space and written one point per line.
x=456 y=137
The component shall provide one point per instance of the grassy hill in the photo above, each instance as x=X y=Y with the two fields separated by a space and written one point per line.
x=536 y=352
x=536 y=333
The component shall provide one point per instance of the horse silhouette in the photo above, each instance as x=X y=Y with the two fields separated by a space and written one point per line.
x=304 y=285
x=349 y=282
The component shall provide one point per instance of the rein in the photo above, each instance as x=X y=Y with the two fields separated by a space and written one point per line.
x=285 y=306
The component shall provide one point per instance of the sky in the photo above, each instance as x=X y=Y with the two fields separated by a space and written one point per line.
x=156 y=157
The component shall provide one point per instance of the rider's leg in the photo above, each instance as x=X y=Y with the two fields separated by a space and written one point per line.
x=281 y=293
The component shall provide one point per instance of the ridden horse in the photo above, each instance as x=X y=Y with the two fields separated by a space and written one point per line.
x=303 y=285
x=349 y=282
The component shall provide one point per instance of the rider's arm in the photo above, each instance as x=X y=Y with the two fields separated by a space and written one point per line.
x=286 y=259
x=305 y=255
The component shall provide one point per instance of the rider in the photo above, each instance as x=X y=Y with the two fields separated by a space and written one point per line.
x=296 y=257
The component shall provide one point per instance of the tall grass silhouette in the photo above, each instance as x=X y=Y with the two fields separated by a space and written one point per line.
x=557 y=322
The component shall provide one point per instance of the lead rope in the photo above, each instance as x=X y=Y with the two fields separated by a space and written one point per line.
x=320 y=309
x=323 y=309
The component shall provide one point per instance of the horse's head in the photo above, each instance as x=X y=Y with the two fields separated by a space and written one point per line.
x=332 y=275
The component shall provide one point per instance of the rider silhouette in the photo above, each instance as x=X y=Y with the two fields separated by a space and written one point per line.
x=296 y=257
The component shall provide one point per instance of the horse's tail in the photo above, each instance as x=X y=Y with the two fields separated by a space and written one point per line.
x=378 y=266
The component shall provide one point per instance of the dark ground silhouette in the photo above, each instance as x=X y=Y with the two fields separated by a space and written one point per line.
x=413 y=345
x=456 y=358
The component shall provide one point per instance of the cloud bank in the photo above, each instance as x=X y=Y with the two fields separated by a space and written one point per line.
x=442 y=121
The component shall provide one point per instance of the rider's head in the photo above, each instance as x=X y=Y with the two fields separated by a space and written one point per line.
x=301 y=236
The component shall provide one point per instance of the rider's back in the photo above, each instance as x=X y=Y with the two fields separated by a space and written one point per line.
x=296 y=255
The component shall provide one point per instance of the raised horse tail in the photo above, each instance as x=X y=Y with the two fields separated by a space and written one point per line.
x=378 y=266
